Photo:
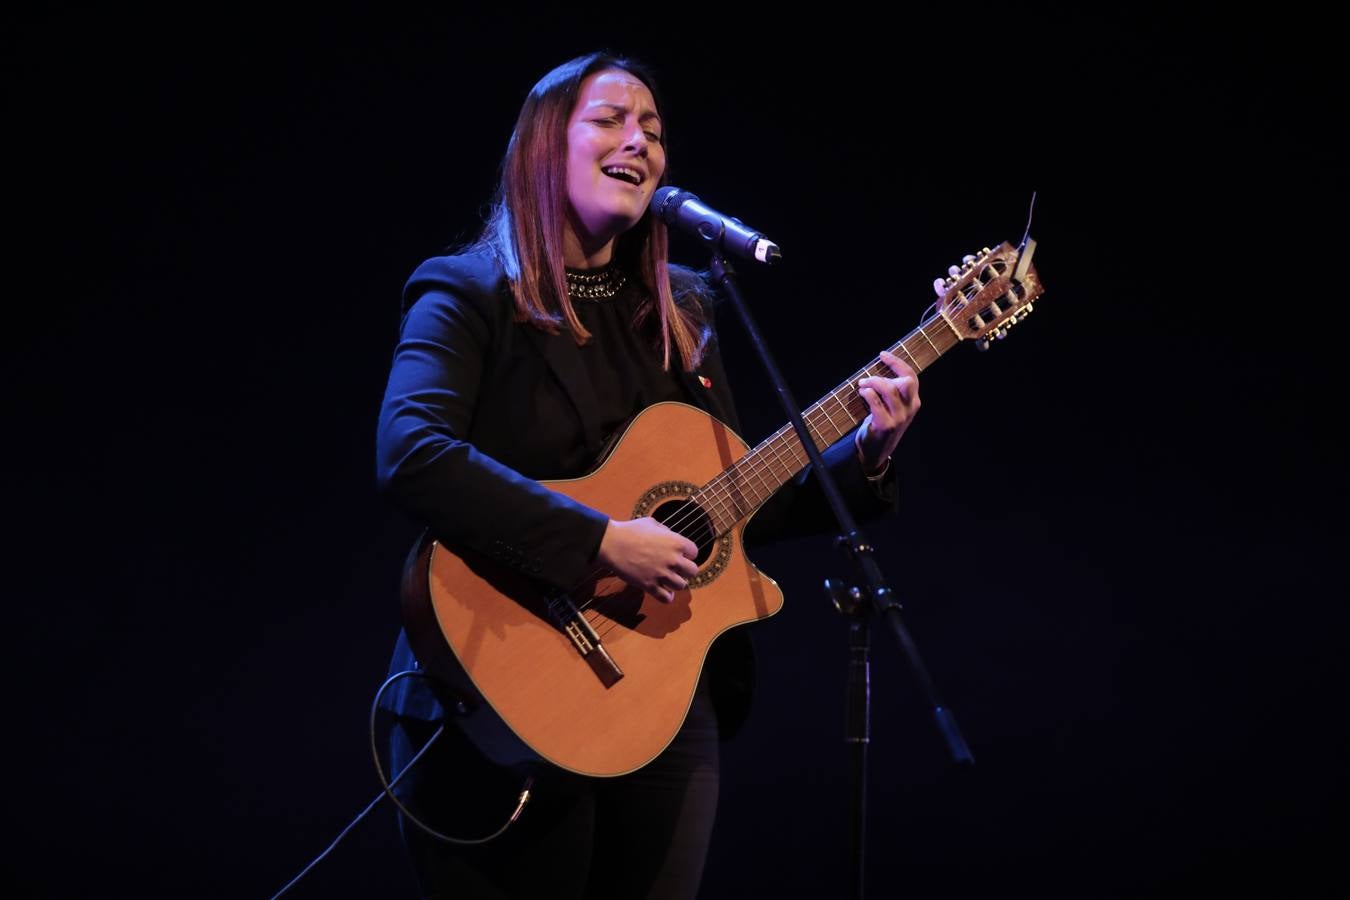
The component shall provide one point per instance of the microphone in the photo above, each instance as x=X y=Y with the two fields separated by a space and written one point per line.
x=686 y=212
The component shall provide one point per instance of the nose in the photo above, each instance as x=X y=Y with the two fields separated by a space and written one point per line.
x=637 y=141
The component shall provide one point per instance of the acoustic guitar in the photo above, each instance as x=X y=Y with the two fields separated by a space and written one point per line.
x=598 y=680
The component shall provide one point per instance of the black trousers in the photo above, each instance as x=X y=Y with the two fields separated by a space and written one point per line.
x=641 y=835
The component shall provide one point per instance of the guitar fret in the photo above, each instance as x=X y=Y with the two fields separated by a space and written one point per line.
x=828 y=417
x=821 y=437
x=758 y=472
x=741 y=489
x=811 y=430
x=924 y=331
x=762 y=490
x=773 y=456
x=775 y=450
x=717 y=510
x=913 y=364
x=731 y=509
x=849 y=419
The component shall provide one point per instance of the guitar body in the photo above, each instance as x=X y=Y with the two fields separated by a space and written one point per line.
x=492 y=635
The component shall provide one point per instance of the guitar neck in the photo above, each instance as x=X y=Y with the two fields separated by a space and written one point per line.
x=754 y=478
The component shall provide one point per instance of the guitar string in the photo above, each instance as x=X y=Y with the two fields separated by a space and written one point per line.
x=718 y=493
x=761 y=458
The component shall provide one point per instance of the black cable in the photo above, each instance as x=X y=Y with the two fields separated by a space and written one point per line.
x=387 y=789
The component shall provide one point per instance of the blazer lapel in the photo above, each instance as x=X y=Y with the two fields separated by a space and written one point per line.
x=564 y=359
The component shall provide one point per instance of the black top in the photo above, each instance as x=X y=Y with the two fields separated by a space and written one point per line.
x=623 y=356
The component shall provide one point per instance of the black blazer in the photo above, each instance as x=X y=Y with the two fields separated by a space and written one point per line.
x=479 y=408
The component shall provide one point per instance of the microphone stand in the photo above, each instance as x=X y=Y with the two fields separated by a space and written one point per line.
x=857 y=603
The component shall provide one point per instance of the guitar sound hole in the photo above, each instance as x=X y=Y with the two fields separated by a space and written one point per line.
x=688 y=519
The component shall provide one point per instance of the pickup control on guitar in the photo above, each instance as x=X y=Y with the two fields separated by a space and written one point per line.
x=565 y=613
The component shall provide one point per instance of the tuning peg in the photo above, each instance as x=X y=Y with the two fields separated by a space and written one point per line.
x=982 y=344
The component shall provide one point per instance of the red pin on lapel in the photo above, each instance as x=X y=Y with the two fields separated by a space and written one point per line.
x=705 y=381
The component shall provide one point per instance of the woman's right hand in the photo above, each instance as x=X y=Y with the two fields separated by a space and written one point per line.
x=649 y=556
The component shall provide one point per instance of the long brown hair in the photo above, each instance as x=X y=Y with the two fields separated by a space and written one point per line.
x=525 y=226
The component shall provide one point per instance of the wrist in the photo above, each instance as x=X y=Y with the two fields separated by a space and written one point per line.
x=868 y=472
x=602 y=553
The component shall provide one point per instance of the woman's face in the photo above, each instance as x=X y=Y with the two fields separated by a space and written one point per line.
x=614 y=157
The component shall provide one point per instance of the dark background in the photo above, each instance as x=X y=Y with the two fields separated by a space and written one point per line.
x=1120 y=544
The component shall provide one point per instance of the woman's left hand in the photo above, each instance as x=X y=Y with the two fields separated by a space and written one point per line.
x=893 y=403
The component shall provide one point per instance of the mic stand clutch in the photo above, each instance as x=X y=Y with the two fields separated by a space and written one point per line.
x=857 y=603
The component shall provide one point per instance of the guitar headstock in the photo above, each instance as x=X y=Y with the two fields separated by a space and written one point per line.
x=992 y=292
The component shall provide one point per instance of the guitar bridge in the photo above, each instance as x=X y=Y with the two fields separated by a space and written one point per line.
x=565 y=613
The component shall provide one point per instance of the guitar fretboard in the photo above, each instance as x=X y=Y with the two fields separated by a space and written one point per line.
x=752 y=479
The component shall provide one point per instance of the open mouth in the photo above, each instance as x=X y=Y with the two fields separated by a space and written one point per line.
x=623 y=173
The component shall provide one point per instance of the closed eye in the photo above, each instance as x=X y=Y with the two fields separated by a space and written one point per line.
x=617 y=122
